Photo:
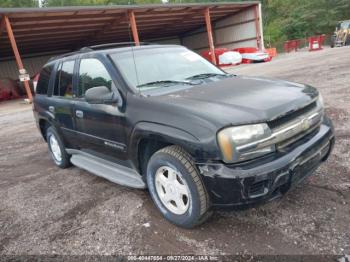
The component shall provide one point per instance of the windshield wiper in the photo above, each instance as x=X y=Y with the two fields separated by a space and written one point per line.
x=207 y=75
x=165 y=82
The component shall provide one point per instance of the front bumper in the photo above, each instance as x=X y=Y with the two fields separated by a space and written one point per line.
x=267 y=178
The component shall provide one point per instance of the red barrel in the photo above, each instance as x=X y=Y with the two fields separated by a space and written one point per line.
x=218 y=51
x=291 y=45
x=316 y=42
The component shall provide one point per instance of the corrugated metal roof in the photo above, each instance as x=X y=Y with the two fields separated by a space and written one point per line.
x=62 y=28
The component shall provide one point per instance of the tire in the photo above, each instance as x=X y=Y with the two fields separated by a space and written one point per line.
x=333 y=39
x=171 y=171
x=347 y=41
x=55 y=144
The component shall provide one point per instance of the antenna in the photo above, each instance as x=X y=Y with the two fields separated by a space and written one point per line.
x=133 y=57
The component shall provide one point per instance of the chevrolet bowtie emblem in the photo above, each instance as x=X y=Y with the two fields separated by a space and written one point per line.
x=305 y=124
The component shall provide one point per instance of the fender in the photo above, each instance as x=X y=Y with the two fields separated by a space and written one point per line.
x=161 y=133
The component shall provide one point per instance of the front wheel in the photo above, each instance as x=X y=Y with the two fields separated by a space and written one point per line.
x=176 y=187
x=347 y=41
x=333 y=39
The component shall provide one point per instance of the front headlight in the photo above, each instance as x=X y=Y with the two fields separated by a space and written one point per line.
x=320 y=100
x=233 y=142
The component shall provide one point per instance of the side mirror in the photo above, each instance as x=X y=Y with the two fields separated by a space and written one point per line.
x=100 y=95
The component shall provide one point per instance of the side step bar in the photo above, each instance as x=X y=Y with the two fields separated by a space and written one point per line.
x=111 y=171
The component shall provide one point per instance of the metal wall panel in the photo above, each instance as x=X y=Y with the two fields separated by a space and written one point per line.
x=249 y=43
x=235 y=31
x=240 y=17
x=234 y=34
x=8 y=69
x=197 y=41
x=168 y=41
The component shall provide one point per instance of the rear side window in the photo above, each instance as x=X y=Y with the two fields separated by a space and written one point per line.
x=64 y=80
x=92 y=73
x=44 y=79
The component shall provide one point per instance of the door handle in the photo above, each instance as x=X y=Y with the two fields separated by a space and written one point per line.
x=52 y=109
x=79 y=113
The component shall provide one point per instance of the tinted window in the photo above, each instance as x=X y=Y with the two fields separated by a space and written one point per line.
x=345 y=25
x=92 y=73
x=64 y=80
x=44 y=79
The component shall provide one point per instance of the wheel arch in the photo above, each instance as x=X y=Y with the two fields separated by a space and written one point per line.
x=44 y=124
x=147 y=138
x=44 y=121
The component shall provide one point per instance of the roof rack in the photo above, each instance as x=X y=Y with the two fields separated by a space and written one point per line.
x=111 y=45
x=98 y=47
x=68 y=54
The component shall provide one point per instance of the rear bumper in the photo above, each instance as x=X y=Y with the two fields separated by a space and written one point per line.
x=265 y=179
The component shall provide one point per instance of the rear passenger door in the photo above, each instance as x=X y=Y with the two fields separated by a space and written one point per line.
x=100 y=127
x=61 y=101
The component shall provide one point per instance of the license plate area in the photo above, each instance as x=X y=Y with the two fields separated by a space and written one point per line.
x=306 y=168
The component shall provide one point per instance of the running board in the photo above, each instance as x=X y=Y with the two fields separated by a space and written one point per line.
x=111 y=171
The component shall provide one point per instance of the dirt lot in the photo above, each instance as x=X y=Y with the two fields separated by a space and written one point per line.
x=46 y=210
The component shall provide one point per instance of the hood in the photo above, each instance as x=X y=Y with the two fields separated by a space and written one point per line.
x=240 y=100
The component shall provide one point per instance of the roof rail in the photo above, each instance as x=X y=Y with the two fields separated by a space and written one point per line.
x=87 y=49
x=69 y=54
x=111 y=45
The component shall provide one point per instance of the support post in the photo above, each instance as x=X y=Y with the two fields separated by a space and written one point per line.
x=257 y=26
x=17 y=56
x=135 y=33
x=2 y=25
x=210 y=35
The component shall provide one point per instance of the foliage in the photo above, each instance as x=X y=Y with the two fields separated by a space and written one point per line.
x=293 y=19
x=18 y=3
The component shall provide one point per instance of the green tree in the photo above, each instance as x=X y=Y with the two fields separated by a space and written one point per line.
x=19 y=3
x=293 y=19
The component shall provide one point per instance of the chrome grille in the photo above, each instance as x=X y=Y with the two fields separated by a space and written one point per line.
x=297 y=128
x=289 y=132
x=290 y=116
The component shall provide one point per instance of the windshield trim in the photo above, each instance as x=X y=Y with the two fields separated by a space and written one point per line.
x=161 y=83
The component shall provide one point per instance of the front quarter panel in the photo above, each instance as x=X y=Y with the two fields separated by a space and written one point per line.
x=200 y=150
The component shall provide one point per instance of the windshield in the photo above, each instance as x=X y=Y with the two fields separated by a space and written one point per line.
x=165 y=66
x=345 y=25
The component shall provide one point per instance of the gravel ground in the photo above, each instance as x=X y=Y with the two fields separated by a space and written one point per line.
x=46 y=210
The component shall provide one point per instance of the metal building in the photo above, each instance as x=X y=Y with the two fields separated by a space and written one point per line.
x=32 y=35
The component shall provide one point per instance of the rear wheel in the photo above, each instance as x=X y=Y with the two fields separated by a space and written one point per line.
x=333 y=40
x=176 y=187
x=56 y=148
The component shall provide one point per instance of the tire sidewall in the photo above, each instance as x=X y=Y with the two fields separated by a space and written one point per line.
x=333 y=39
x=52 y=132
x=192 y=215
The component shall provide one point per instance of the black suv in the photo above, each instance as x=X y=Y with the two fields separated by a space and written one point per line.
x=161 y=117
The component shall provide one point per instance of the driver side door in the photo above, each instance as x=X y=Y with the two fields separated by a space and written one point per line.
x=100 y=128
